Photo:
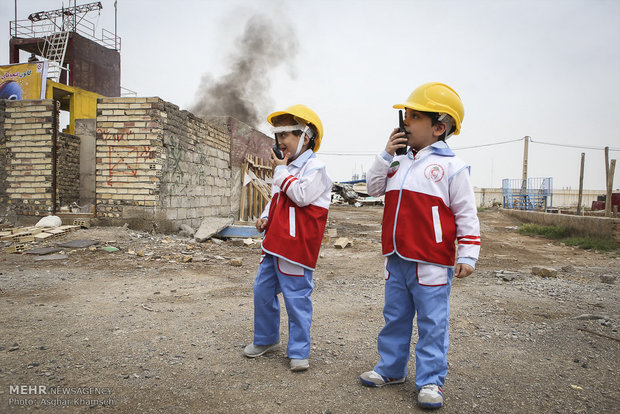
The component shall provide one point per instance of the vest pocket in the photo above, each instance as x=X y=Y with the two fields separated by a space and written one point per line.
x=437 y=224
x=291 y=221
x=386 y=272
x=432 y=275
x=290 y=269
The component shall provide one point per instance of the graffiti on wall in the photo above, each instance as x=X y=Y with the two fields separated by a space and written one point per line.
x=182 y=174
x=124 y=160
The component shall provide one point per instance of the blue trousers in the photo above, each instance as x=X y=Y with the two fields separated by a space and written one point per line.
x=296 y=288
x=407 y=294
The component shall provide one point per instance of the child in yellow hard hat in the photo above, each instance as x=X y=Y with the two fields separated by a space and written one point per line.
x=429 y=205
x=294 y=222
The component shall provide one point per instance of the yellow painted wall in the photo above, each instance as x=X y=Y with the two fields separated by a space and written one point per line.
x=82 y=103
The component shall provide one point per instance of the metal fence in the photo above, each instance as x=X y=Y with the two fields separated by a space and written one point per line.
x=33 y=30
x=537 y=194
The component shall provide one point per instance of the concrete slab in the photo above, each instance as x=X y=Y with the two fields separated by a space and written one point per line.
x=76 y=244
x=239 y=232
x=43 y=250
x=51 y=257
x=210 y=226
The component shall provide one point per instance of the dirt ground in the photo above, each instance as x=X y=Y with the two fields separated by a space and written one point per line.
x=143 y=330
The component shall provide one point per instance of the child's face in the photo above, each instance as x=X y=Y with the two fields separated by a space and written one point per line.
x=288 y=141
x=420 y=129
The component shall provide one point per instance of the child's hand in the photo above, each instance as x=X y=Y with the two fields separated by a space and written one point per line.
x=261 y=224
x=275 y=161
x=462 y=270
x=397 y=140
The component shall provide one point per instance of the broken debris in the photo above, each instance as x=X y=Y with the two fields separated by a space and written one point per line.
x=544 y=271
x=51 y=257
x=77 y=244
x=49 y=221
x=342 y=243
x=41 y=251
x=210 y=226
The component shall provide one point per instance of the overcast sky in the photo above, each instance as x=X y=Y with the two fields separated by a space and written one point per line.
x=548 y=69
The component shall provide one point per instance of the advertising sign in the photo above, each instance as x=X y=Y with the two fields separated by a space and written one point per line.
x=23 y=81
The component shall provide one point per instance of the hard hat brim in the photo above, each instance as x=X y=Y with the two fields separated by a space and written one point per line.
x=276 y=114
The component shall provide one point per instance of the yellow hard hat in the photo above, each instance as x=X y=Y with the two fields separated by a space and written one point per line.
x=436 y=97
x=305 y=114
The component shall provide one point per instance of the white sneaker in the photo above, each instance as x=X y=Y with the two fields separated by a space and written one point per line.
x=299 y=364
x=373 y=379
x=253 y=351
x=430 y=396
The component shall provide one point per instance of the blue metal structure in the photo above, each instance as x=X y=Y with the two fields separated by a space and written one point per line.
x=536 y=195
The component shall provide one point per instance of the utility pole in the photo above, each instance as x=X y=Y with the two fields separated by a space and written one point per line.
x=115 y=25
x=583 y=158
x=524 y=177
x=610 y=169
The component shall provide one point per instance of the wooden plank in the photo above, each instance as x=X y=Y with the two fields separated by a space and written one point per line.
x=244 y=171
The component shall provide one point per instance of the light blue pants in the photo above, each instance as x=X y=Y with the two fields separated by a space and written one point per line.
x=404 y=297
x=296 y=290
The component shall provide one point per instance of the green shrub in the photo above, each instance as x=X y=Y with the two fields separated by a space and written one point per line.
x=551 y=232
x=590 y=243
x=562 y=235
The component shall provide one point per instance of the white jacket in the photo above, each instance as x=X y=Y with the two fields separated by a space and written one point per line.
x=297 y=212
x=429 y=204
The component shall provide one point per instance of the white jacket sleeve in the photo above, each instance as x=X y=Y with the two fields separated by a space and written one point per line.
x=265 y=213
x=376 y=176
x=306 y=189
x=463 y=206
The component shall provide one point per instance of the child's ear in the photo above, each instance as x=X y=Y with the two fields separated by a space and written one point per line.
x=306 y=139
x=439 y=128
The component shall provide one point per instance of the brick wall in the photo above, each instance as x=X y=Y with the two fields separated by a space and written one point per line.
x=27 y=162
x=3 y=158
x=67 y=169
x=128 y=154
x=156 y=164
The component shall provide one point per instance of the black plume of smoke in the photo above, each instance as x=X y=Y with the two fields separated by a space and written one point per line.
x=243 y=92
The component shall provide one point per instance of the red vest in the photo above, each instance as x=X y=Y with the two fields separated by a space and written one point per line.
x=421 y=225
x=294 y=233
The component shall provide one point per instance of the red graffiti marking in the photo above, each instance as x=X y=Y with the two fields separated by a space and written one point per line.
x=123 y=133
x=130 y=160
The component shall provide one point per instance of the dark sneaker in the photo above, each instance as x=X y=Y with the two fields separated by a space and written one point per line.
x=372 y=379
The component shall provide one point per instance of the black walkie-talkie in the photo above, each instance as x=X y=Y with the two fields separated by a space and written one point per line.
x=401 y=128
x=278 y=152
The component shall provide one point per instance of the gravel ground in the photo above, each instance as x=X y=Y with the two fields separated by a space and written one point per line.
x=146 y=329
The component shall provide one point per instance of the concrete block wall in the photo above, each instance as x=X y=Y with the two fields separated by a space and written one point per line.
x=67 y=169
x=602 y=227
x=158 y=165
x=562 y=198
x=27 y=160
x=196 y=182
x=86 y=130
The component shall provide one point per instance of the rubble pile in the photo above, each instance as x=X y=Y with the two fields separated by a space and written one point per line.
x=353 y=193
